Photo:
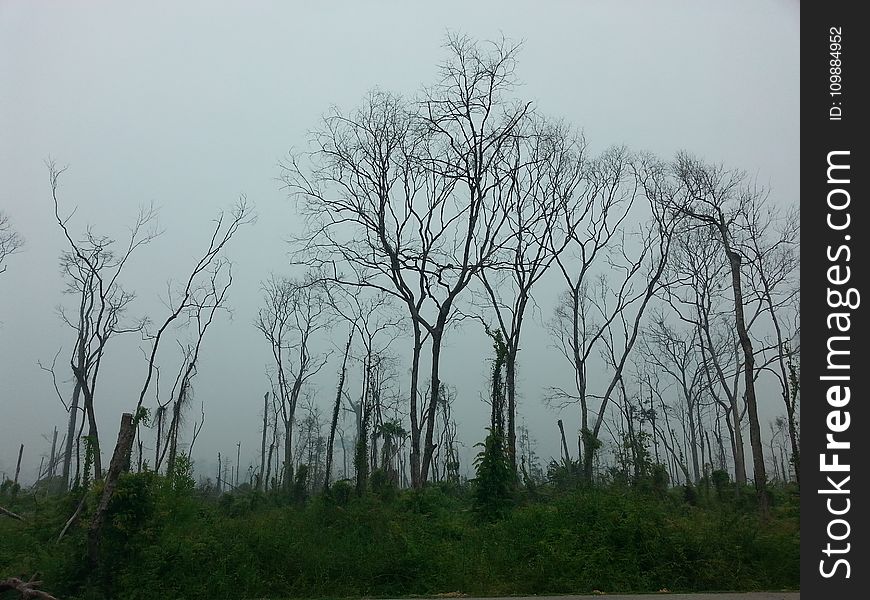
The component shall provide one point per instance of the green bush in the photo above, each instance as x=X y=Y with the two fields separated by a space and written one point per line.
x=163 y=540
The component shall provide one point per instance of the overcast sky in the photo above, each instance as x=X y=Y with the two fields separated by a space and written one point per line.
x=189 y=104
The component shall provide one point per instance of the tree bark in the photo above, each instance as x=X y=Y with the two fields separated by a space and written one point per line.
x=70 y=435
x=435 y=384
x=118 y=464
x=261 y=483
x=416 y=481
x=18 y=464
x=760 y=475
x=335 y=410
x=27 y=589
x=510 y=385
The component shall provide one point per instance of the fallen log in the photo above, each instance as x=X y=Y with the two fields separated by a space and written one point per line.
x=9 y=513
x=27 y=589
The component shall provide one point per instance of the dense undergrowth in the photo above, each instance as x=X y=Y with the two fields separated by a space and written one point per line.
x=173 y=541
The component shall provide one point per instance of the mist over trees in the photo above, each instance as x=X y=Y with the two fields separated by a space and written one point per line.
x=428 y=215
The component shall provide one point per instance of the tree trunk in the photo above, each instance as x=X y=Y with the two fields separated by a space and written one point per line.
x=795 y=446
x=71 y=424
x=755 y=441
x=18 y=465
x=118 y=464
x=93 y=434
x=510 y=385
x=566 y=456
x=27 y=589
x=287 y=474
x=260 y=481
x=335 y=410
x=737 y=449
x=435 y=383
x=693 y=441
x=416 y=480
x=52 y=459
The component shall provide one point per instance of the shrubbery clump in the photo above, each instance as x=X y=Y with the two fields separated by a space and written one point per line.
x=168 y=540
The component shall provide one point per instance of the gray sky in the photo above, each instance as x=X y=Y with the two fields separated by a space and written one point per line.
x=187 y=105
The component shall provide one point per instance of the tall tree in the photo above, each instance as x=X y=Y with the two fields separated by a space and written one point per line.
x=773 y=251
x=294 y=311
x=612 y=276
x=92 y=268
x=698 y=296
x=722 y=200
x=405 y=197
x=543 y=175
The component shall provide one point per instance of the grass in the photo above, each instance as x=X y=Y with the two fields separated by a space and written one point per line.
x=170 y=543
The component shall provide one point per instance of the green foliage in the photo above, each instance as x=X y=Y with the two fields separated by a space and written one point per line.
x=181 y=477
x=300 y=484
x=493 y=487
x=165 y=540
x=383 y=485
x=9 y=488
x=566 y=474
x=341 y=492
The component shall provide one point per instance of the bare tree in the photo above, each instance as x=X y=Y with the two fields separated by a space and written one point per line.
x=92 y=268
x=722 y=200
x=294 y=311
x=193 y=290
x=543 y=175
x=336 y=410
x=676 y=354
x=772 y=248
x=406 y=198
x=201 y=311
x=11 y=241
x=598 y=302
x=698 y=296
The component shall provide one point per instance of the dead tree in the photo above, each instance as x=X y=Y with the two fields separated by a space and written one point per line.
x=772 y=246
x=698 y=297
x=676 y=354
x=544 y=172
x=197 y=292
x=372 y=320
x=11 y=241
x=609 y=287
x=204 y=305
x=8 y=513
x=721 y=200
x=336 y=409
x=18 y=465
x=92 y=268
x=404 y=198
x=294 y=311
x=119 y=463
x=27 y=589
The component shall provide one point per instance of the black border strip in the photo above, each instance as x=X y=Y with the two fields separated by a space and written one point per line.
x=834 y=229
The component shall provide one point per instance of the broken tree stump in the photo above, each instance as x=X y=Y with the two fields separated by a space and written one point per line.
x=119 y=460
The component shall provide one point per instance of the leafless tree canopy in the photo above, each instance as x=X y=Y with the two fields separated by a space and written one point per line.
x=10 y=240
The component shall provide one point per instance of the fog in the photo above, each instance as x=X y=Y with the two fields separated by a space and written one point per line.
x=190 y=105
